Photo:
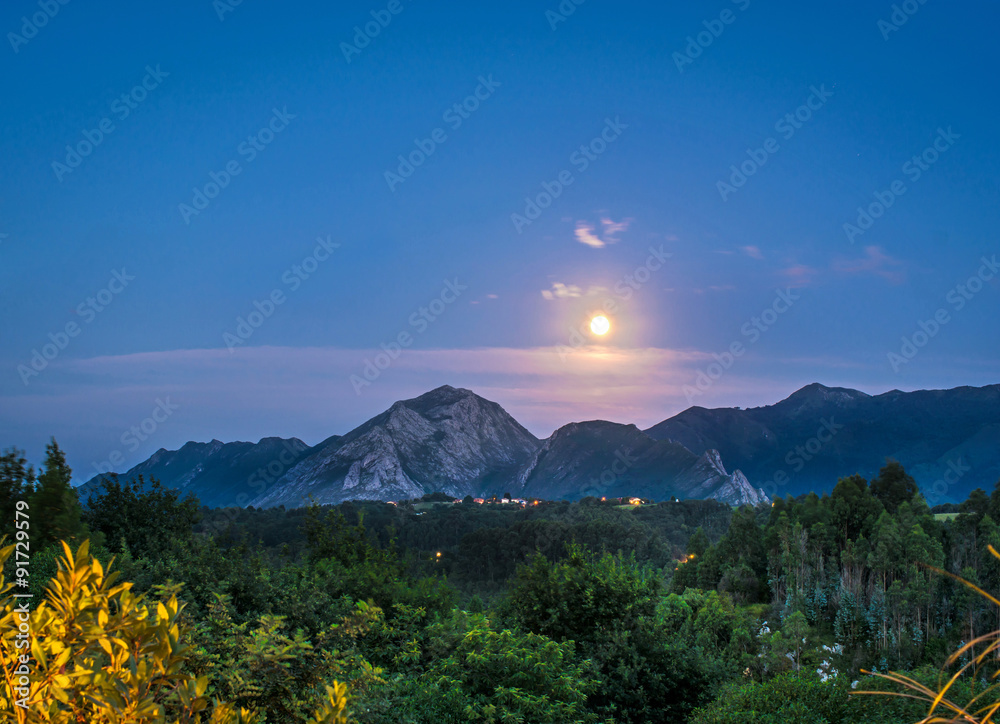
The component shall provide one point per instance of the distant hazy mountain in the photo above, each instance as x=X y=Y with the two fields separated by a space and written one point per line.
x=218 y=473
x=447 y=440
x=607 y=459
x=949 y=440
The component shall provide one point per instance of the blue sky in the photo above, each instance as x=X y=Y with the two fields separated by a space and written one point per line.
x=313 y=134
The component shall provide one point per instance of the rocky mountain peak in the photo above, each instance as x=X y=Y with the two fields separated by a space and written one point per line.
x=815 y=395
x=448 y=439
x=713 y=459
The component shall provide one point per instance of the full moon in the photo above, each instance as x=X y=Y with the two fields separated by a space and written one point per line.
x=600 y=325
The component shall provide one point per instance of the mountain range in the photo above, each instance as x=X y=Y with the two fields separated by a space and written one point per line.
x=449 y=440
x=948 y=440
x=454 y=441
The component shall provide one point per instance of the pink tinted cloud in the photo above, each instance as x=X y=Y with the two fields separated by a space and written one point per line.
x=562 y=291
x=799 y=275
x=875 y=261
x=261 y=391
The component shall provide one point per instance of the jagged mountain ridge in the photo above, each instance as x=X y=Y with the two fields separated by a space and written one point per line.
x=457 y=442
x=608 y=459
x=219 y=474
x=819 y=434
x=448 y=440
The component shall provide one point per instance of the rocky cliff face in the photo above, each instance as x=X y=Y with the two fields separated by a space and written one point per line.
x=448 y=440
x=708 y=480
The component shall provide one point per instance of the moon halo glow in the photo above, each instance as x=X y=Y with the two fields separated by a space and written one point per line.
x=600 y=325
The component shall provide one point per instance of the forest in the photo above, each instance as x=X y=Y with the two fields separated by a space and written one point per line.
x=146 y=606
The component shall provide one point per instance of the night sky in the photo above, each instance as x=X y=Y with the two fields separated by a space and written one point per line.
x=232 y=221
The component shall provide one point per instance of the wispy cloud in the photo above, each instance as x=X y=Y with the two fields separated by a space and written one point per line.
x=875 y=261
x=291 y=391
x=799 y=275
x=715 y=288
x=490 y=297
x=613 y=228
x=562 y=291
x=752 y=251
x=587 y=233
